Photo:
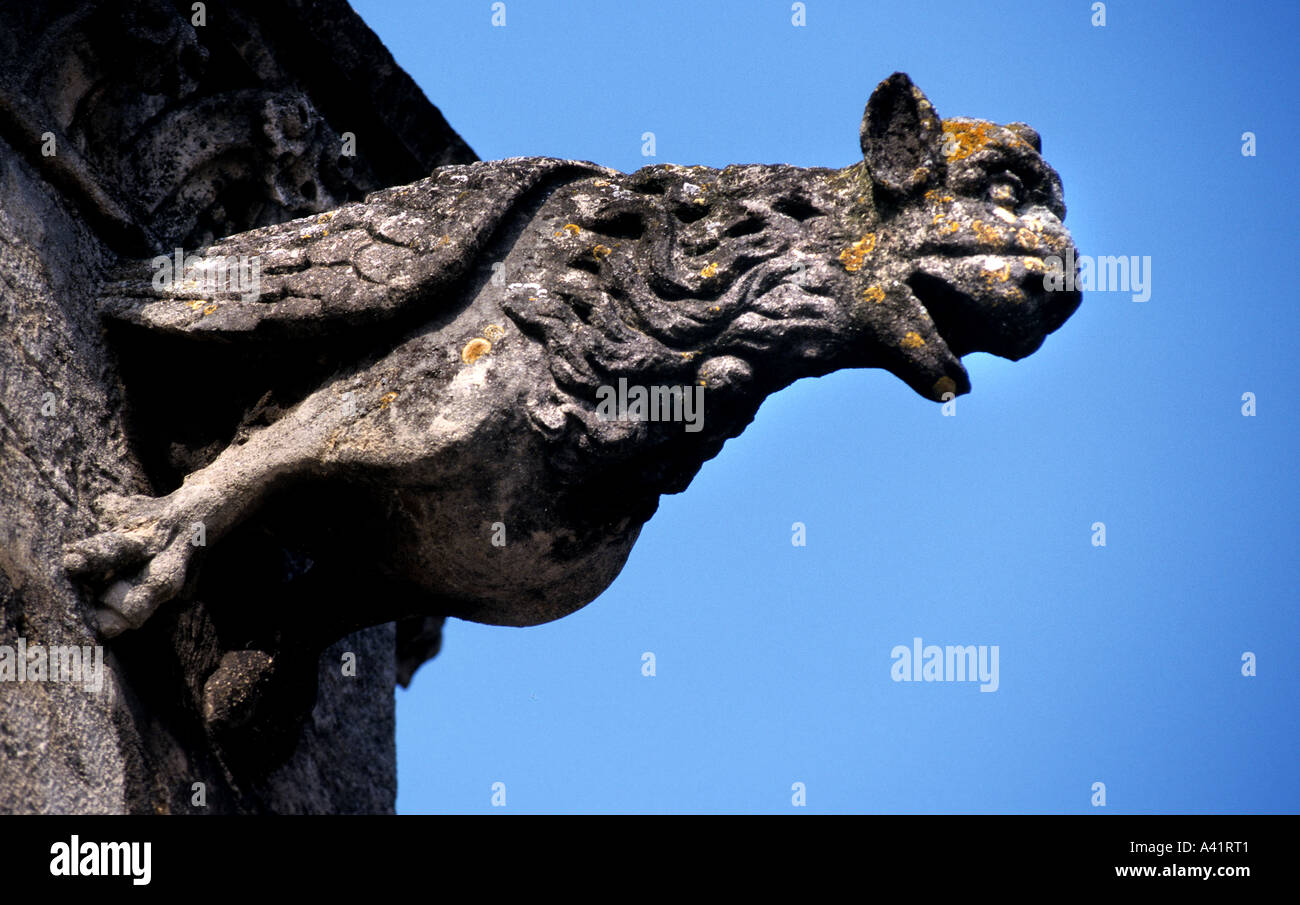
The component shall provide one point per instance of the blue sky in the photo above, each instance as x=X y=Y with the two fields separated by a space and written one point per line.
x=1118 y=664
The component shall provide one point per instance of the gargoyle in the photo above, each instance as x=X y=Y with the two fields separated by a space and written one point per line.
x=438 y=355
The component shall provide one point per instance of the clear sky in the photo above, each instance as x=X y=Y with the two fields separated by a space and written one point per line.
x=1119 y=664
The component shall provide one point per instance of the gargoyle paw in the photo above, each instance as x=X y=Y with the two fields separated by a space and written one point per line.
x=141 y=560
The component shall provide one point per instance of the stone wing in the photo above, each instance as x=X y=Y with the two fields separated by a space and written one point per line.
x=403 y=250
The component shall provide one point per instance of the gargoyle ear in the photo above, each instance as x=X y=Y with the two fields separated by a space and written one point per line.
x=901 y=136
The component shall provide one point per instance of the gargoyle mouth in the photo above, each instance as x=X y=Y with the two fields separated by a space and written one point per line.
x=948 y=308
x=986 y=303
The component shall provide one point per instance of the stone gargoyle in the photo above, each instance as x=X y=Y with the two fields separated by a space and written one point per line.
x=420 y=379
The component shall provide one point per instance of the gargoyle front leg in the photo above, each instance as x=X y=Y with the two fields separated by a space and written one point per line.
x=149 y=544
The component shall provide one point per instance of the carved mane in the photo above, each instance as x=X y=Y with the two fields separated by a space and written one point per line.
x=679 y=277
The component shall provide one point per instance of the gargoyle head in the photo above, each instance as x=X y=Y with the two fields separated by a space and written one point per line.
x=951 y=244
x=745 y=279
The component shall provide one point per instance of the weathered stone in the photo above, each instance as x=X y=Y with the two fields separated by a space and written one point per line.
x=406 y=414
x=435 y=356
x=126 y=130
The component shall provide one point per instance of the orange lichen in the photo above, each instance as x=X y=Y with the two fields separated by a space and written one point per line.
x=853 y=256
x=388 y=397
x=1027 y=237
x=962 y=139
x=946 y=227
x=493 y=332
x=912 y=340
x=1003 y=194
x=601 y=251
x=475 y=349
x=210 y=307
x=710 y=271
x=1038 y=265
x=572 y=228
x=1000 y=276
x=1056 y=243
x=987 y=233
x=873 y=294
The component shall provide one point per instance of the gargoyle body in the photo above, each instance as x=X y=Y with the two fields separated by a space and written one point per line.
x=465 y=331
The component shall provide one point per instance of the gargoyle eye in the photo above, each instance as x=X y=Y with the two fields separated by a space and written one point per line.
x=1006 y=190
